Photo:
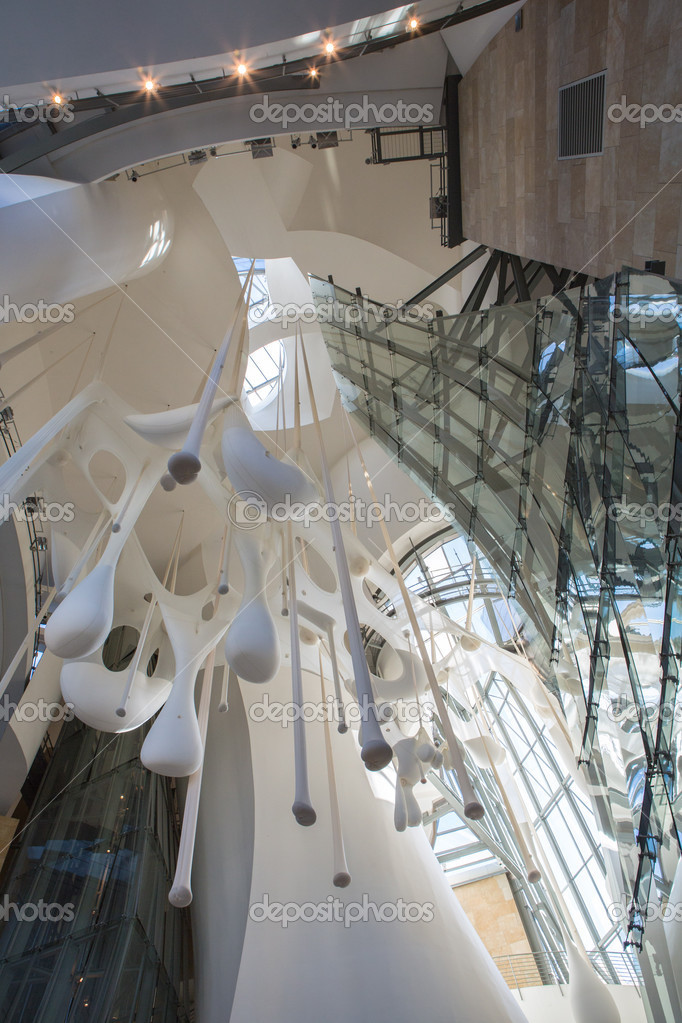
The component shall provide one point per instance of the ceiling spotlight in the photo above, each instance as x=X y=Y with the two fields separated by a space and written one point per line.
x=150 y=85
x=329 y=48
x=414 y=23
x=57 y=99
x=313 y=72
x=241 y=69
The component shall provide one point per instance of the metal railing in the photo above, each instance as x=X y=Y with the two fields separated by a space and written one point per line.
x=535 y=969
x=38 y=543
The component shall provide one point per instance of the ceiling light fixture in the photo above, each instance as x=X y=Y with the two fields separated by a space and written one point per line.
x=329 y=48
x=313 y=72
x=414 y=23
x=241 y=70
x=57 y=99
x=150 y=85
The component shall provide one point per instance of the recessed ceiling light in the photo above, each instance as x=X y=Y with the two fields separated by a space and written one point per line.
x=330 y=47
x=57 y=99
x=241 y=69
x=313 y=72
x=414 y=23
x=150 y=85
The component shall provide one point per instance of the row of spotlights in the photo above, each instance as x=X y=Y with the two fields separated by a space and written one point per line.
x=242 y=69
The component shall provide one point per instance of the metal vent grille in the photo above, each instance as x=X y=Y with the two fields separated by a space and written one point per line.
x=581 y=117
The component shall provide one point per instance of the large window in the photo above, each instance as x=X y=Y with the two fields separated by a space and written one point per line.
x=440 y=571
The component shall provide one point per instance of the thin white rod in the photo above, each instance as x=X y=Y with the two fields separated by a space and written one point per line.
x=96 y=534
x=376 y=752
x=302 y=807
x=228 y=676
x=116 y=525
x=341 y=876
x=285 y=606
x=181 y=892
x=222 y=561
x=472 y=807
x=340 y=709
x=223 y=581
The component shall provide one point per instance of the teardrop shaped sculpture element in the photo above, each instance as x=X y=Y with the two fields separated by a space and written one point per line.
x=252 y=647
x=83 y=620
x=412 y=675
x=174 y=746
x=95 y=692
x=63 y=556
x=407 y=812
x=589 y=996
x=254 y=472
x=485 y=750
x=185 y=465
x=169 y=428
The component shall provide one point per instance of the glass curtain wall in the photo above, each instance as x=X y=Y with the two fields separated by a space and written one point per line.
x=88 y=933
x=550 y=431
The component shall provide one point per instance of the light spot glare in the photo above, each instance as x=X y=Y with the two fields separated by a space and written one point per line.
x=149 y=85
x=158 y=244
x=330 y=47
x=414 y=23
x=57 y=99
x=241 y=69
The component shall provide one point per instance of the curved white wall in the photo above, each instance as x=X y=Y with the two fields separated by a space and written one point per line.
x=371 y=971
x=78 y=240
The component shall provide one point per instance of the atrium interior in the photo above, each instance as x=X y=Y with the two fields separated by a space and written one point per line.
x=341 y=534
